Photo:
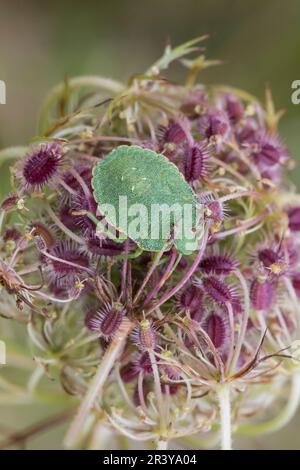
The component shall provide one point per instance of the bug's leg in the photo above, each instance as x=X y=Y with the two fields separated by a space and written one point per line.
x=133 y=255
x=102 y=228
x=92 y=217
x=110 y=233
x=88 y=214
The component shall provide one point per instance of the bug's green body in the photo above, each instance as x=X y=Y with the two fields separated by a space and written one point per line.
x=145 y=178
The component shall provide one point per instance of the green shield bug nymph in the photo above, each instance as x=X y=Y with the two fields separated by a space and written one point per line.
x=145 y=197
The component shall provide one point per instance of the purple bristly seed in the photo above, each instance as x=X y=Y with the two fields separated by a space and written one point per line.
x=213 y=209
x=105 y=321
x=191 y=298
x=11 y=234
x=61 y=274
x=218 y=264
x=267 y=149
x=81 y=203
x=218 y=290
x=65 y=215
x=84 y=171
x=262 y=294
x=268 y=257
x=103 y=247
x=128 y=373
x=144 y=336
x=41 y=165
x=246 y=133
x=234 y=108
x=195 y=162
x=213 y=123
x=217 y=327
x=9 y=202
x=43 y=234
x=173 y=133
x=143 y=363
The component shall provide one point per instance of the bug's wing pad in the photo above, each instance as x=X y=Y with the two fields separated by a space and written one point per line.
x=149 y=179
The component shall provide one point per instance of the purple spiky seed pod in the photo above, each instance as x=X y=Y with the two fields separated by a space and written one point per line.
x=128 y=373
x=274 y=260
x=173 y=133
x=84 y=171
x=218 y=264
x=106 y=321
x=218 y=290
x=191 y=299
x=82 y=204
x=214 y=123
x=212 y=208
x=11 y=234
x=262 y=293
x=268 y=150
x=234 y=108
x=9 y=202
x=103 y=247
x=195 y=104
x=267 y=257
x=246 y=132
x=42 y=165
x=43 y=235
x=143 y=363
x=217 y=327
x=65 y=215
x=195 y=164
x=68 y=265
x=144 y=336
x=294 y=218
x=170 y=370
x=140 y=364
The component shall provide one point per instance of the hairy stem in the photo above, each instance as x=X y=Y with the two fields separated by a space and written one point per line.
x=223 y=394
x=94 y=391
x=162 y=444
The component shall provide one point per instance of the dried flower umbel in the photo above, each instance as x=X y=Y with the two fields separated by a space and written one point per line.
x=158 y=345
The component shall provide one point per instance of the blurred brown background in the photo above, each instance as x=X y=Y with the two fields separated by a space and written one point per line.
x=42 y=42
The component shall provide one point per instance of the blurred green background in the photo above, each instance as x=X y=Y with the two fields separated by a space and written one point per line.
x=42 y=42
